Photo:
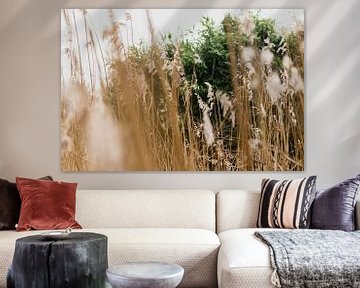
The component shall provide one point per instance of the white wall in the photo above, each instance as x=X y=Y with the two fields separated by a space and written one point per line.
x=30 y=94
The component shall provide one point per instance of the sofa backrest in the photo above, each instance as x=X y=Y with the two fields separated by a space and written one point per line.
x=239 y=209
x=146 y=209
x=236 y=209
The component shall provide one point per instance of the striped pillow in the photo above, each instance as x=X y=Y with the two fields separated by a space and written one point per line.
x=286 y=204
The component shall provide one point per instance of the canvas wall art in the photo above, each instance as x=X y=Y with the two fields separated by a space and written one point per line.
x=182 y=90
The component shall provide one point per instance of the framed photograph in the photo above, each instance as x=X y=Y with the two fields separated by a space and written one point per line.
x=182 y=90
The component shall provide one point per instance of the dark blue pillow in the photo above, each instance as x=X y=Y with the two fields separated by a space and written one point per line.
x=334 y=208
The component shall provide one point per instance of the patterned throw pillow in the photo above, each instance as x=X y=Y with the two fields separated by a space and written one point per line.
x=286 y=204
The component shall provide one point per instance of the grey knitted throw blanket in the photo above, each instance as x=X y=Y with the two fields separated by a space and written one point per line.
x=313 y=258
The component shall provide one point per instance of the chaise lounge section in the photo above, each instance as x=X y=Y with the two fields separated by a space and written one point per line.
x=244 y=260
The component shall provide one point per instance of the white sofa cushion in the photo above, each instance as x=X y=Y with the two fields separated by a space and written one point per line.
x=236 y=209
x=244 y=261
x=146 y=209
x=194 y=249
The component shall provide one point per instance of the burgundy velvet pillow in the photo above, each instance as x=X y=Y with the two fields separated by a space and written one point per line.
x=334 y=208
x=46 y=204
x=10 y=204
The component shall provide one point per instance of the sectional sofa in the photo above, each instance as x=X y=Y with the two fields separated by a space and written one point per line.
x=210 y=235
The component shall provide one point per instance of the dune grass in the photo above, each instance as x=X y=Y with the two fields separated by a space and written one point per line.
x=165 y=106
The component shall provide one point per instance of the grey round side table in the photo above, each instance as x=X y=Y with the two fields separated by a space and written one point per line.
x=145 y=275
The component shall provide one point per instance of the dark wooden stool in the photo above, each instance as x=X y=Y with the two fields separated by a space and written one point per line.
x=79 y=261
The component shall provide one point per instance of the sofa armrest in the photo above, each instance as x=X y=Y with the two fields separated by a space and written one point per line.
x=357 y=215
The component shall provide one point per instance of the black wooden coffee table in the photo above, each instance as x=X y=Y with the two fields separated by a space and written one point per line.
x=80 y=261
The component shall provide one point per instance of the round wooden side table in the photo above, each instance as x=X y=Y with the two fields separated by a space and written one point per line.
x=80 y=260
x=145 y=275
